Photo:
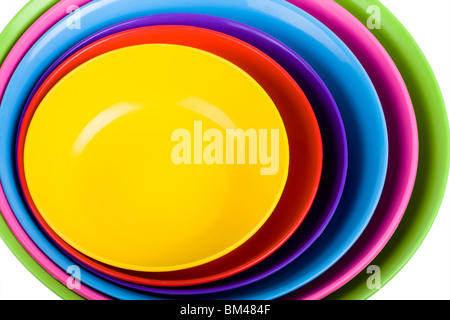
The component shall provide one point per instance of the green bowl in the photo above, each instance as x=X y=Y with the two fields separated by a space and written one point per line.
x=433 y=158
x=434 y=154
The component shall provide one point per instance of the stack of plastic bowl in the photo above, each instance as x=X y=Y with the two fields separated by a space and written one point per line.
x=216 y=149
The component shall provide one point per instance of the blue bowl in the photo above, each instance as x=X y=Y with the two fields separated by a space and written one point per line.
x=349 y=84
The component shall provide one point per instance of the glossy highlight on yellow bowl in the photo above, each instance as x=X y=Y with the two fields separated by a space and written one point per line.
x=156 y=157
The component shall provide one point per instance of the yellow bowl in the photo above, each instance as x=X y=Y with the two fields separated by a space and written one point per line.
x=156 y=157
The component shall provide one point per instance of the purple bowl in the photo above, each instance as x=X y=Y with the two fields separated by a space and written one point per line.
x=335 y=153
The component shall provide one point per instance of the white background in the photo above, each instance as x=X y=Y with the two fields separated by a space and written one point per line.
x=427 y=275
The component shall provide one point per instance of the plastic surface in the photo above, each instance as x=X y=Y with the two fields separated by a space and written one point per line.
x=19 y=25
x=32 y=258
x=434 y=154
x=403 y=147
